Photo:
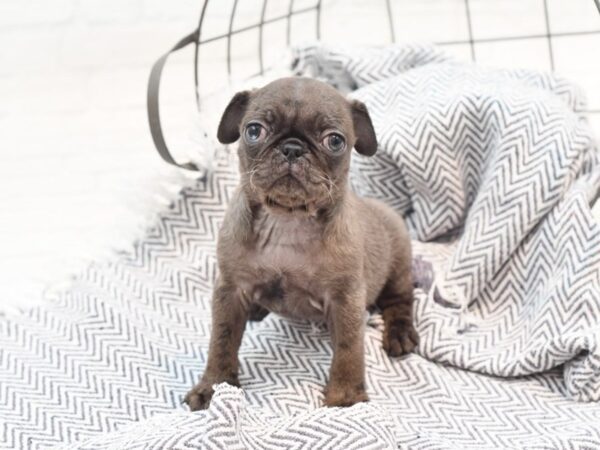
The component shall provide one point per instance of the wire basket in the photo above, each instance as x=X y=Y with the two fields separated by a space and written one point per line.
x=251 y=35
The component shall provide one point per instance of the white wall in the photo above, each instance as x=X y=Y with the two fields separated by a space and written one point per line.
x=76 y=159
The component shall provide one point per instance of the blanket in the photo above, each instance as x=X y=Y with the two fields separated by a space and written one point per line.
x=501 y=160
x=495 y=173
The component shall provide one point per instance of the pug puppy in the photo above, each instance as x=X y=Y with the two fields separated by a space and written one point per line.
x=298 y=242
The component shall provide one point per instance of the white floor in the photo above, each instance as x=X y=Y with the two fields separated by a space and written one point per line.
x=78 y=172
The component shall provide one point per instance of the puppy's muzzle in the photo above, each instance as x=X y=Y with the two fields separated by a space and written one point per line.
x=292 y=149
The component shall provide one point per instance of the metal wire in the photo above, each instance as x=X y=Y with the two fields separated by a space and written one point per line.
x=470 y=29
x=260 y=37
x=256 y=25
x=517 y=37
x=229 y=34
x=317 y=9
x=288 y=32
x=548 y=35
x=319 y=20
x=388 y=6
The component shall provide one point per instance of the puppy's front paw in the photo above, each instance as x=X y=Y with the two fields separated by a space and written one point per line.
x=399 y=339
x=345 y=394
x=199 y=396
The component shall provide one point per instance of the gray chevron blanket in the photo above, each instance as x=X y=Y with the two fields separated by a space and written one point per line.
x=501 y=161
x=494 y=172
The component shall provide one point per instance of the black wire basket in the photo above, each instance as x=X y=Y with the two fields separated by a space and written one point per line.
x=291 y=20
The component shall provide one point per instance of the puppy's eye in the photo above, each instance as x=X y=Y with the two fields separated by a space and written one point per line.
x=335 y=142
x=254 y=133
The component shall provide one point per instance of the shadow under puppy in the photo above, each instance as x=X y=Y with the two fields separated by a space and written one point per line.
x=296 y=241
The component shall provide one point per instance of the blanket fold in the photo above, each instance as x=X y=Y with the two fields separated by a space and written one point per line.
x=501 y=161
x=229 y=423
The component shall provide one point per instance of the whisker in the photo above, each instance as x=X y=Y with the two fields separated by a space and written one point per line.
x=251 y=174
x=329 y=186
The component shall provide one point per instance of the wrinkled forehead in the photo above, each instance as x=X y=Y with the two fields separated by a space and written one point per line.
x=300 y=102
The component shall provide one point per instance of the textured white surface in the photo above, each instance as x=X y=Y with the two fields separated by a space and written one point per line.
x=77 y=165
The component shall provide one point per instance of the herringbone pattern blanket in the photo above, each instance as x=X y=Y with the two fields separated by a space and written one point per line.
x=494 y=172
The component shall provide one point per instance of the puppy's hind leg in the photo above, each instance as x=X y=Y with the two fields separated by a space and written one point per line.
x=395 y=302
x=257 y=313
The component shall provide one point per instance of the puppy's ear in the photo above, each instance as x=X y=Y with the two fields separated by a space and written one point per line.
x=229 y=127
x=366 y=141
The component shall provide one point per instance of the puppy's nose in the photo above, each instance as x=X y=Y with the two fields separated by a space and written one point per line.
x=292 y=149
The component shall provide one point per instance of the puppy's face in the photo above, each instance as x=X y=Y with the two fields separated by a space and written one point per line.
x=296 y=138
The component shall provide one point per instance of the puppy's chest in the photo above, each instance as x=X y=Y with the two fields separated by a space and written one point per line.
x=285 y=268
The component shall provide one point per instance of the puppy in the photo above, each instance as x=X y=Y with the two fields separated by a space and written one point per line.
x=296 y=241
